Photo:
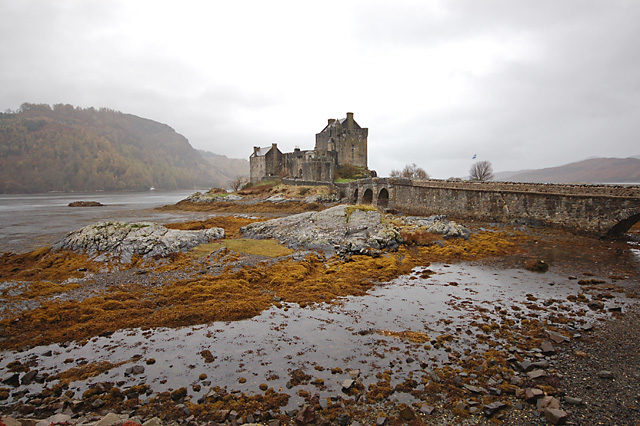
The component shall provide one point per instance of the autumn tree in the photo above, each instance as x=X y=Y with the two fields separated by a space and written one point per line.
x=410 y=171
x=481 y=171
x=238 y=182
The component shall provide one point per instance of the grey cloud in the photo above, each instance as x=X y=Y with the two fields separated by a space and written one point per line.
x=575 y=95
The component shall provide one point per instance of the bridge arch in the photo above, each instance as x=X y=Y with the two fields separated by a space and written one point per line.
x=383 y=198
x=367 y=196
x=625 y=224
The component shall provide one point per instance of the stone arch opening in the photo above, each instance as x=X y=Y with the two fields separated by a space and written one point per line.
x=624 y=225
x=354 y=199
x=383 y=198
x=367 y=197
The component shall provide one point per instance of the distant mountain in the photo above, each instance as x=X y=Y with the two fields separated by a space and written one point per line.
x=593 y=170
x=226 y=168
x=62 y=148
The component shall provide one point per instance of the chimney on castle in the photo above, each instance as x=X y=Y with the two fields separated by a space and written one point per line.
x=274 y=146
x=349 y=120
x=255 y=150
x=331 y=121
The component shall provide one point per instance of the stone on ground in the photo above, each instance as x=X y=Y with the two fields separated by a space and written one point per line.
x=345 y=228
x=147 y=239
x=555 y=416
x=57 y=418
x=9 y=421
x=110 y=419
x=437 y=224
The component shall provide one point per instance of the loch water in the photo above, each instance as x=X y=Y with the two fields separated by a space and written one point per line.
x=30 y=221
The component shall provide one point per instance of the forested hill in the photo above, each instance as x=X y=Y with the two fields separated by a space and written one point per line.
x=226 y=168
x=62 y=148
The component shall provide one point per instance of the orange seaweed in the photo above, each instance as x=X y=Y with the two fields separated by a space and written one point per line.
x=233 y=294
x=230 y=224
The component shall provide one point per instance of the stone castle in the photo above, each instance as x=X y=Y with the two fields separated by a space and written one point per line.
x=341 y=143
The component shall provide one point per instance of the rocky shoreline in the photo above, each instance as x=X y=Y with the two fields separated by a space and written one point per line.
x=448 y=342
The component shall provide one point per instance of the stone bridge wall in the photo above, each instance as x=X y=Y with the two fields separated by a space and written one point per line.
x=598 y=209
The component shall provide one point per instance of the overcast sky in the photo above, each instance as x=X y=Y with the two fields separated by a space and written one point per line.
x=523 y=84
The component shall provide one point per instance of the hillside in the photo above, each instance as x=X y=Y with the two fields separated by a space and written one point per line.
x=593 y=170
x=226 y=168
x=62 y=148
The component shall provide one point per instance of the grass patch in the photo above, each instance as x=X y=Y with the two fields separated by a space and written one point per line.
x=344 y=180
x=268 y=248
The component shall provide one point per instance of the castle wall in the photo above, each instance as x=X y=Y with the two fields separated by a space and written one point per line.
x=292 y=163
x=348 y=139
x=318 y=170
x=352 y=148
x=273 y=160
x=257 y=168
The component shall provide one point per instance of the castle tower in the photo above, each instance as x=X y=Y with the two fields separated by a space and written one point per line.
x=347 y=138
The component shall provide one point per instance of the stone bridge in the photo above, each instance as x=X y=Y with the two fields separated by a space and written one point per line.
x=596 y=209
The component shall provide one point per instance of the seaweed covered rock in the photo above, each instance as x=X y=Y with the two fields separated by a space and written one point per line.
x=126 y=239
x=350 y=229
x=437 y=224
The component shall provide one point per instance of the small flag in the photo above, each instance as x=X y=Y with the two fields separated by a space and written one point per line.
x=474 y=157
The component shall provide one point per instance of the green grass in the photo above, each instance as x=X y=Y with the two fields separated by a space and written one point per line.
x=268 y=248
x=344 y=180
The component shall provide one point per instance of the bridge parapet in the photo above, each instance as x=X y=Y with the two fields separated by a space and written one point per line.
x=596 y=209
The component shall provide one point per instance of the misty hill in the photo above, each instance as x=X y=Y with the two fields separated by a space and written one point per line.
x=592 y=170
x=62 y=148
x=226 y=168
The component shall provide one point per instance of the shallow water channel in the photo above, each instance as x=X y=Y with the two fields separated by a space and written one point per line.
x=362 y=333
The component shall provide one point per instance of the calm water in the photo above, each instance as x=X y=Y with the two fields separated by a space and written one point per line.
x=31 y=221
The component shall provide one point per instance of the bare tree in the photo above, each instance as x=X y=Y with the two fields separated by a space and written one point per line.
x=481 y=171
x=410 y=171
x=237 y=182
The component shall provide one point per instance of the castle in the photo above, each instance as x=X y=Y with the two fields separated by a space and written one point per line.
x=342 y=142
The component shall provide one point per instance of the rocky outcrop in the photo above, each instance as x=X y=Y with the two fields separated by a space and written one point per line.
x=341 y=228
x=437 y=224
x=123 y=240
x=208 y=197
